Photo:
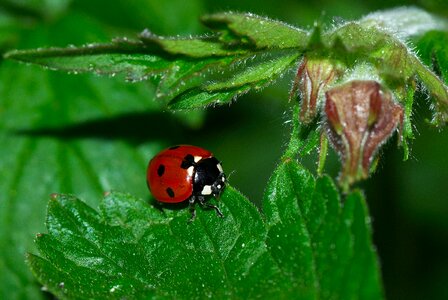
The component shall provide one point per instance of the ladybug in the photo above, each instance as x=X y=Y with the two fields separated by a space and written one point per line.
x=186 y=172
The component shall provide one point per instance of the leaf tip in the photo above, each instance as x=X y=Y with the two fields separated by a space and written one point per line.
x=12 y=54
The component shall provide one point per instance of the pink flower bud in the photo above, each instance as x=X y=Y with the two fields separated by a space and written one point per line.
x=360 y=118
x=312 y=77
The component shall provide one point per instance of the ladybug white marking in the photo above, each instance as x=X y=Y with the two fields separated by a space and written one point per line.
x=197 y=158
x=219 y=168
x=190 y=171
x=207 y=190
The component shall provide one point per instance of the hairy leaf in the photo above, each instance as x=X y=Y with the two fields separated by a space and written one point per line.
x=264 y=70
x=191 y=66
x=405 y=22
x=129 y=248
x=202 y=65
x=121 y=56
x=181 y=64
x=189 y=74
x=311 y=246
x=432 y=50
x=311 y=234
x=191 y=47
x=255 y=30
x=223 y=88
x=35 y=166
x=196 y=98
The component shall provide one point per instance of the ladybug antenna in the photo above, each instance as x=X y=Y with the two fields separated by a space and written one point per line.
x=230 y=174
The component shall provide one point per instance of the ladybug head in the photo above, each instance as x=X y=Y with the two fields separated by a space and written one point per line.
x=209 y=178
x=219 y=185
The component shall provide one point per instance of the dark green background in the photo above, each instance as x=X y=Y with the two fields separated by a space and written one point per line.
x=408 y=200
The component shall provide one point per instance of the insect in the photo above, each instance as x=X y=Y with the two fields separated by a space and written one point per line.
x=186 y=172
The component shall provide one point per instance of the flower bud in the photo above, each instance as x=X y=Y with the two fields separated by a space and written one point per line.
x=360 y=116
x=312 y=77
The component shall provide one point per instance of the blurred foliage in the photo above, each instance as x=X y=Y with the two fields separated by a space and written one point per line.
x=407 y=199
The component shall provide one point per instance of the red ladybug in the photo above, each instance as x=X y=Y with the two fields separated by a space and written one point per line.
x=183 y=173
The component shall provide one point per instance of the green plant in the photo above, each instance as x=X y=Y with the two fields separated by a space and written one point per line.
x=308 y=241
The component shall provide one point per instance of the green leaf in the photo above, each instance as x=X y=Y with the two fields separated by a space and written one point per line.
x=266 y=70
x=311 y=246
x=37 y=164
x=259 y=31
x=436 y=89
x=130 y=248
x=210 y=79
x=255 y=74
x=196 y=98
x=33 y=98
x=184 y=66
x=189 y=74
x=405 y=22
x=431 y=48
x=304 y=138
x=322 y=246
x=120 y=56
x=191 y=47
x=138 y=61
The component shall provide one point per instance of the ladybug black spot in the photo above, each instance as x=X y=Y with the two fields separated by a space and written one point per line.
x=174 y=147
x=170 y=192
x=161 y=170
x=187 y=162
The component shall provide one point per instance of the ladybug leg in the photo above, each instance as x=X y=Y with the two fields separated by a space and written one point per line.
x=202 y=202
x=192 y=203
x=159 y=206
